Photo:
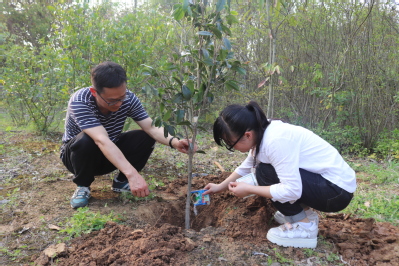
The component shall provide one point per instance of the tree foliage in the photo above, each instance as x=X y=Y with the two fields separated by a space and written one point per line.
x=334 y=64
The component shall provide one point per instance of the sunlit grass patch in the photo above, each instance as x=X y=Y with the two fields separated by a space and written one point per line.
x=377 y=194
x=85 y=221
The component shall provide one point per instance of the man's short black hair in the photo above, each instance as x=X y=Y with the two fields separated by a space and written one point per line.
x=108 y=75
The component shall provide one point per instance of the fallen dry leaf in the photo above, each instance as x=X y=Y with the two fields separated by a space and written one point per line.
x=54 y=227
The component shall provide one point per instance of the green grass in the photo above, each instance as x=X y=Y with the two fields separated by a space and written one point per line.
x=84 y=221
x=377 y=194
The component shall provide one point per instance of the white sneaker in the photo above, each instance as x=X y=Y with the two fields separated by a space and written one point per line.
x=294 y=235
x=312 y=216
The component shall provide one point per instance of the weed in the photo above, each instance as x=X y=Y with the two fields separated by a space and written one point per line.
x=281 y=258
x=84 y=222
x=127 y=196
x=324 y=241
x=180 y=164
x=12 y=198
x=14 y=254
x=309 y=252
x=332 y=257
x=153 y=183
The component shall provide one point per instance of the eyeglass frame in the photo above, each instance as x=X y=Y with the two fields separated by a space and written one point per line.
x=125 y=97
x=230 y=147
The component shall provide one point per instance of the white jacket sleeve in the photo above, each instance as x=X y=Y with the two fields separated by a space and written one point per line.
x=284 y=156
x=246 y=165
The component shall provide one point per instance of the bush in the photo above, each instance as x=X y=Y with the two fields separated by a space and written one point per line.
x=387 y=146
x=346 y=140
x=33 y=85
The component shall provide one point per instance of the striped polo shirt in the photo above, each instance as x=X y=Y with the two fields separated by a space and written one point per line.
x=83 y=113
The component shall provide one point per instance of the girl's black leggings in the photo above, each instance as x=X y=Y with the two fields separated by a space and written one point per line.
x=317 y=192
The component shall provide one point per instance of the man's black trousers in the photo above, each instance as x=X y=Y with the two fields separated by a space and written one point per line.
x=84 y=159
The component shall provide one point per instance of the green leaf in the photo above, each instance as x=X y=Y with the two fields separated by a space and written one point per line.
x=208 y=61
x=158 y=122
x=165 y=132
x=241 y=70
x=171 y=130
x=227 y=44
x=220 y=5
x=204 y=33
x=222 y=55
x=202 y=128
x=190 y=85
x=231 y=19
x=189 y=11
x=146 y=89
x=178 y=14
x=179 y=115
x=178 y=81
x=167 y=115
x=169 y=66
x=185 y=123
x=186 y=92
x=226 y=30
x=205 y=52
x=231 y=84
x=215 y=31
x=230 y=55
x=178 y=98
x=185 y=5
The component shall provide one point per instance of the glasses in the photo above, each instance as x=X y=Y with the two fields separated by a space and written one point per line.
x=125 y=97
x=230 y=147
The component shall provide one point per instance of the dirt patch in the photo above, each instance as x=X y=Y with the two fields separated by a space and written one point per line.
x=362 y=241
x=35 y=189
x=227 y=223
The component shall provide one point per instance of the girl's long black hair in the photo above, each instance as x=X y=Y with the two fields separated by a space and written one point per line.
x=235 y=120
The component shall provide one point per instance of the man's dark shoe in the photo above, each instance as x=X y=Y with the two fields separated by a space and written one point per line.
x=81 y=197
x=118 y=186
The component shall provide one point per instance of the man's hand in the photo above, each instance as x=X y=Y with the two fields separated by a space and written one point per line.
x=183 y=145
x=138 y=186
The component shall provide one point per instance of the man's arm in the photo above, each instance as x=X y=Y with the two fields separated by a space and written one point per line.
x=157 y=133
x=138 y=186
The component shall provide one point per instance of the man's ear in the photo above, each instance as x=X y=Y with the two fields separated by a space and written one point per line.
x=93 y=91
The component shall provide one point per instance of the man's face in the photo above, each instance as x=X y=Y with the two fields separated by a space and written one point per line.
x=110 y=100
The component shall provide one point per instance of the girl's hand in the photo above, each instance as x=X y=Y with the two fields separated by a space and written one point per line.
x=240 y=189
x=212 y=188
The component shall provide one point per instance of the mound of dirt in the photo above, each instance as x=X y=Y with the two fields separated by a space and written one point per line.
x=362 y=241
x=229 y=226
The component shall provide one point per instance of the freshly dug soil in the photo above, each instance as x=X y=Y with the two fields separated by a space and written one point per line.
x=229 y=231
